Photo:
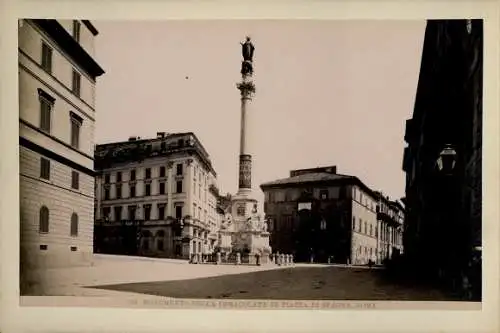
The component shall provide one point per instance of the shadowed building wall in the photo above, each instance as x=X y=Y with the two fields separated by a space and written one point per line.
x=443 y=222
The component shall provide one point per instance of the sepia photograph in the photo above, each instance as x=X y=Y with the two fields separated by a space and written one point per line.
x=300 y=162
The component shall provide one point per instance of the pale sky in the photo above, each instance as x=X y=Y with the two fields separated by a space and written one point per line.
x=328 y=92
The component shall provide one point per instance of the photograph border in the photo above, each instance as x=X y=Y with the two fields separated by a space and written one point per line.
x=14 y=317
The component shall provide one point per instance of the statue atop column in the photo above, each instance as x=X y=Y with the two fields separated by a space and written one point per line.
x=247 y=50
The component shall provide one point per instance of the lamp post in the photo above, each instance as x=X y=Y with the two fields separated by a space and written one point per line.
x=446 y=164
x=447 y=160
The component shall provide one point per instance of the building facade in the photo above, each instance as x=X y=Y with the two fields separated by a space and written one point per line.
x=57 y=83
x=447 y=112
x=321 y=215
x=156 y=197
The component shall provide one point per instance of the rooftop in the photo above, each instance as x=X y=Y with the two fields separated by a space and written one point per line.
x=136 y=148
x=308 y=178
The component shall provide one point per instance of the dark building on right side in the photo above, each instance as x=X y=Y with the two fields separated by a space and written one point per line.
x=442 y=161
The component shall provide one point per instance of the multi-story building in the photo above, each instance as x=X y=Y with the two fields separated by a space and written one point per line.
x=443 y=222
x=57 y=79
x=156 y=197
x=321 y=215
x=390 y=222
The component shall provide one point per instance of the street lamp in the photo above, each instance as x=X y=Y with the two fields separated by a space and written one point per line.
x=447 y=160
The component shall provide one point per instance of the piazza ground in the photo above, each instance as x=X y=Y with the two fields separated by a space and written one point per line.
x=120 y=277
x=296 y=283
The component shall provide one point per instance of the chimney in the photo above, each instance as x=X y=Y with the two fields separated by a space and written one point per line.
x=160 y=135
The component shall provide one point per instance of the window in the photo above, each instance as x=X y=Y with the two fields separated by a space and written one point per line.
x=178 y=212
x=161 y=212
x=77 y=78
x=360 y=225
x=76 y=30
x=132 y=191
x=76 y=124
x=45 y=115
x=147 y=212
x=323 y=194
x=118 y=213
x=75 y=181
x=132 y=174
x=46 y=58
x=131 y=212
x=43 y=247
x=74 y=225
x=195 y=211
x=162 y=171
x=179 y=169
x=162 y=188
x=118 y=177
x=371 y=230
x=45 y=168
x=107 y=178
x=118 y=191
x=148 y=173
x=44 y=220
x=179 y=186
x=147 y=190
x=366 y=228
x=353 y=223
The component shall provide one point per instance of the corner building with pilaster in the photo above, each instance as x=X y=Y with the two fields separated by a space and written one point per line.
x=156 y=198
x=57 y=83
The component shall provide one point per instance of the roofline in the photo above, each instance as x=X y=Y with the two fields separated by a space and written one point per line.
x=91 y=27
x=145 y=140
x=353 y=180
x=70 y=46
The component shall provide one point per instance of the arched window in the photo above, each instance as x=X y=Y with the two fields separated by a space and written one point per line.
x=44 y=219
x=74 y=225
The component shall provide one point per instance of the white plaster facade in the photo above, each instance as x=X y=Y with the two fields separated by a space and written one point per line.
x=364 y=227
x=178 y=189
x=65 y=186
